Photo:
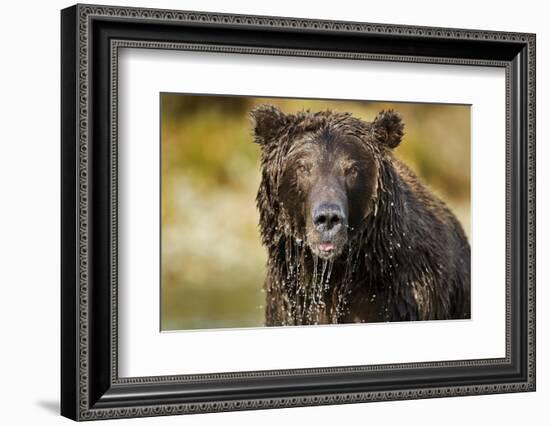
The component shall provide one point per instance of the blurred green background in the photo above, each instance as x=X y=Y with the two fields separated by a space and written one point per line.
x=212 y=261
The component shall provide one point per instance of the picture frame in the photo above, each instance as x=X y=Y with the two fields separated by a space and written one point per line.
x=91 y=37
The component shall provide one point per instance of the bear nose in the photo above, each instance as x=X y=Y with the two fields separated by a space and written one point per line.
x=328 y=217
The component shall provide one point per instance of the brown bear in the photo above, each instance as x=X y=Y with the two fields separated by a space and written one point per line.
x=351 y=233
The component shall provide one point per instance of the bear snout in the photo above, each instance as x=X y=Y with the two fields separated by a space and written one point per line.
x=328 y=229
x=329 y=219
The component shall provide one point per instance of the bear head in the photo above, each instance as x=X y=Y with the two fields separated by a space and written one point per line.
x=321 y=173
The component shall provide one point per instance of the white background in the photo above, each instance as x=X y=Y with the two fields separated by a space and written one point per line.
x=143 y=351
x=29 y=225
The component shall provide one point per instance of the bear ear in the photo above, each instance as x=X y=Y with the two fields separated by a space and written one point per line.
x=267 y=120
x=388 y=128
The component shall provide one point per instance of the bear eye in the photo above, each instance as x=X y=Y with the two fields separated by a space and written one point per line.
x=302 y=169
x=352 y=172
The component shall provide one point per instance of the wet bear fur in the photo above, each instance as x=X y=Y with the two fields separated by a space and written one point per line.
x=405 y=257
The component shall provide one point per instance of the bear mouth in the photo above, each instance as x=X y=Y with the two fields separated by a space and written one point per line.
x=328 y=250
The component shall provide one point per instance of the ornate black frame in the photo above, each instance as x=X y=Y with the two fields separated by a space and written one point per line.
x=91 y=37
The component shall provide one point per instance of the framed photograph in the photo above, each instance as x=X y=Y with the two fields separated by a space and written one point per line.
x=263 y=212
